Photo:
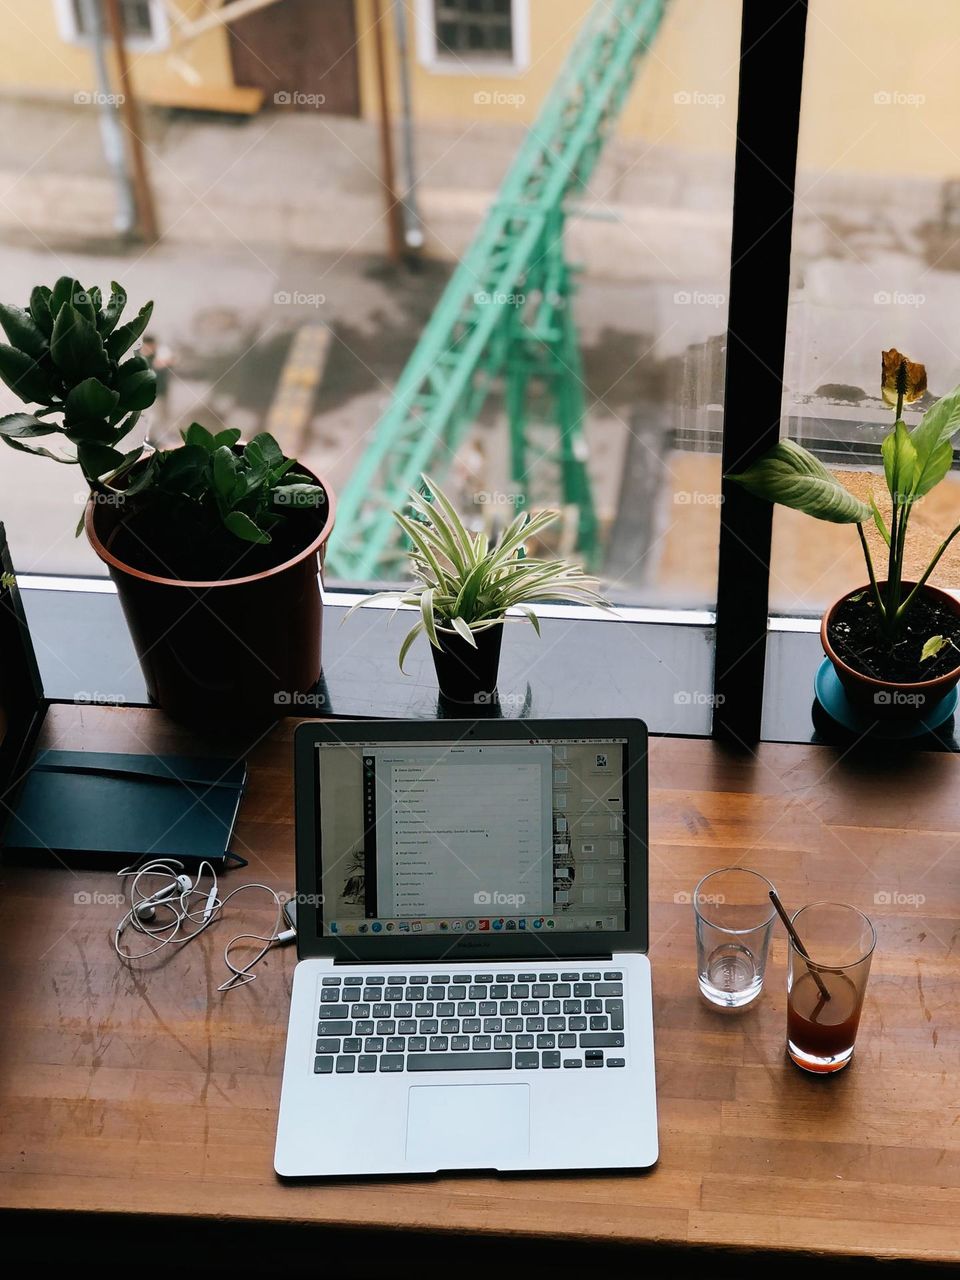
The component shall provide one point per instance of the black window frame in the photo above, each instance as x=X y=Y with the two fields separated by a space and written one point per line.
x=772 y=43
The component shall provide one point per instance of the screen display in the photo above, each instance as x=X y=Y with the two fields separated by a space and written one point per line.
x=421 y=838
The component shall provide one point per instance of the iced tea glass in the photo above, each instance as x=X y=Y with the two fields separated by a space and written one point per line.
x=734 y=919
x=839 y=941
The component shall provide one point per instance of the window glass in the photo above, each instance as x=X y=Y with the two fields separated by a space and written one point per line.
x=474 y=27
x=581 y=361
x=134 y=14
x=876 y=264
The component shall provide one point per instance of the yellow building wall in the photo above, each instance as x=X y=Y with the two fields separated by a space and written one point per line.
x=36 y=60
x=904 y=50
x=855 y=50
x=686 y=58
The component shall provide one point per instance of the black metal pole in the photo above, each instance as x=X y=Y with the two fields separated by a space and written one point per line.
x=768 y=123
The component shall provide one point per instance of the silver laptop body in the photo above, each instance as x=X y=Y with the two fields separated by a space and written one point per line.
x=473 y=990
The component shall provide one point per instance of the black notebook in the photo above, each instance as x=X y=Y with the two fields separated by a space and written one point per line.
x=94 y=808
x=90 y=805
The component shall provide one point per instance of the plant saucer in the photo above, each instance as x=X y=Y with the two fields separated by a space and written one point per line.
x=833 y=698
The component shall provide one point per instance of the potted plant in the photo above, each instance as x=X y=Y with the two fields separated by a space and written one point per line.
x=465 y=587
x=213 y=545
x=894 y=644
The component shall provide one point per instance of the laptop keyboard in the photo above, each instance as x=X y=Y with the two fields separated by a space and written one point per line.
x=524 y=1021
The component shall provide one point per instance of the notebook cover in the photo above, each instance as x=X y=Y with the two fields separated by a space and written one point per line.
x=105 y=803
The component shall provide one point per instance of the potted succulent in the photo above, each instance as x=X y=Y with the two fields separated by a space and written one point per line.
x=213 y=545
x=894 y=644
x=465 y=587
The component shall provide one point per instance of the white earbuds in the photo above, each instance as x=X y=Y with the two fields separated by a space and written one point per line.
x=172 y=928
x=147 y=909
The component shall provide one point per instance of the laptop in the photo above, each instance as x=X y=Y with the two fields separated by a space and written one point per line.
x=473 y=989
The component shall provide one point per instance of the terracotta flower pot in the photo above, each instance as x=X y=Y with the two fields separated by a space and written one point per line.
x=466 y=674
x=889 y=699
x=235 y=652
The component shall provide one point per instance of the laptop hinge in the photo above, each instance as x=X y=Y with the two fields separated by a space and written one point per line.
x=437 y=962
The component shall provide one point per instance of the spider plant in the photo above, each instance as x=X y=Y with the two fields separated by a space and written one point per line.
x=465 y=584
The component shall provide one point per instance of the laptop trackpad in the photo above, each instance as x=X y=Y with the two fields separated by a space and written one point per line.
x=468 y=1126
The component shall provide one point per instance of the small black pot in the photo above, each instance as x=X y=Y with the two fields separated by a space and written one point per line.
x=465 y=674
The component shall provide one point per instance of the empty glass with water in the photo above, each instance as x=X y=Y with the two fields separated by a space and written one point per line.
x=734 y=920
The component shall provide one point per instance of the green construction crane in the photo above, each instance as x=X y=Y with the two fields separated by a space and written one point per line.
x=506 y=313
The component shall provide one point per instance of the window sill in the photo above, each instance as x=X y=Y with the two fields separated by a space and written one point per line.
x=792 y=714
x=661 y=672
x=496 y=68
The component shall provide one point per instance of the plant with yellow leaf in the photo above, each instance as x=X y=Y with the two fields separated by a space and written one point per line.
x=914 y=461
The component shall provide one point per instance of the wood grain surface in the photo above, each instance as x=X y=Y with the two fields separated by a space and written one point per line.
x=146 y=1092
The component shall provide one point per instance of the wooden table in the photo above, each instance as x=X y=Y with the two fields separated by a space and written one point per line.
x=131 y=1095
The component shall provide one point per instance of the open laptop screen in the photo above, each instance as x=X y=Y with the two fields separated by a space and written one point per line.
x=472 y=837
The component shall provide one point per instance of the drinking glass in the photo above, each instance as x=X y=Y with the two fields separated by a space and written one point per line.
x=734 y=919
x=839 y=941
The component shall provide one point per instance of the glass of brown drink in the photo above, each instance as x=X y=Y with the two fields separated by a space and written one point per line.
x=839 y=941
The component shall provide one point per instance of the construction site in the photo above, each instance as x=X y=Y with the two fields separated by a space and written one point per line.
x=514 y=281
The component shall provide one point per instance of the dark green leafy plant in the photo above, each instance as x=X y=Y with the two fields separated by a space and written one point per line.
x=65 y=356
x=914 y=462
x=184 y=510
x=249 y=493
